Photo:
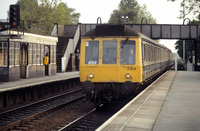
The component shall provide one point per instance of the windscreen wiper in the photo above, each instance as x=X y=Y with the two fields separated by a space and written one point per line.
x=124 y=43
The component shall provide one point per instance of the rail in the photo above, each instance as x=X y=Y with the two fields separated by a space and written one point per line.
x=19 y=116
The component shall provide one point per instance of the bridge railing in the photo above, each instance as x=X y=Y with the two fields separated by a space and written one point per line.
x=165 y=31
x=160 y=31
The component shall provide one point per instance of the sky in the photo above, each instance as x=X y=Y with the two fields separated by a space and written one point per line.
x=165 y=12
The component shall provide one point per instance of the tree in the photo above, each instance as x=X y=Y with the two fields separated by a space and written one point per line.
x=189 y=45
x=190 y=7
x=189 y=48
x=144 y=13
x=132 y=10
x=40 y=15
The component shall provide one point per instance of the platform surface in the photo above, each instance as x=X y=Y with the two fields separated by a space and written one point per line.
x=22 y=83
x=171 y=103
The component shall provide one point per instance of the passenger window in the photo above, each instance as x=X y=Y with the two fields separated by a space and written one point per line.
x=92 y=52
x=127 y=52
x=109 y=52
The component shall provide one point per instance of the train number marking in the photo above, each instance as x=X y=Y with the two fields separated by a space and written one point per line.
x=131 y=68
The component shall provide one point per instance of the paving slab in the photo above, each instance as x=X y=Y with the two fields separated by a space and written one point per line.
x=181 y=110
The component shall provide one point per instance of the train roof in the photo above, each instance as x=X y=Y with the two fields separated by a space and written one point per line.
x=104 y=30
x=111 y=30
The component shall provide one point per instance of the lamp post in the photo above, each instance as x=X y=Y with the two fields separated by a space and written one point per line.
x=184 y=40
x=125 y=19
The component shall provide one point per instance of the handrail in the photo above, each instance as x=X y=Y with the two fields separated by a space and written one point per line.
x=99 y=18
x=143 y=19
x=70 y=49
x=185 y=20
x=55 y=30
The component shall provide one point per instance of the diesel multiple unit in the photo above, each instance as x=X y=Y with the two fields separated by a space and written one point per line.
x=114 y=59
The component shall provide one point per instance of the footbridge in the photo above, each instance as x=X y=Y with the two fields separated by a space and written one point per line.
x=160 y=31
x=154 y=31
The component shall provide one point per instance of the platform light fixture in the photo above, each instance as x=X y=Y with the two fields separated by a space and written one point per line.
x=125 y=19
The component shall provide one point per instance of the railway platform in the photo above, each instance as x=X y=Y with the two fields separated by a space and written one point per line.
x=15 y=92
x=171 y=103
x=23 y=83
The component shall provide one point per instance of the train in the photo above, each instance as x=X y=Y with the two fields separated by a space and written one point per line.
x=116 y=59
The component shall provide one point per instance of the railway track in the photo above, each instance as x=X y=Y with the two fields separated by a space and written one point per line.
x=18 y=116
x=95 y=118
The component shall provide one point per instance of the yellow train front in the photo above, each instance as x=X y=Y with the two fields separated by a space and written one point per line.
x=112 y=62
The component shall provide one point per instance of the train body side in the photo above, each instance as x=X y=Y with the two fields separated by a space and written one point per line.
x=155 y=58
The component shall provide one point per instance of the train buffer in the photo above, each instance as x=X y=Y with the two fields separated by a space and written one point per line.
x=171 y=103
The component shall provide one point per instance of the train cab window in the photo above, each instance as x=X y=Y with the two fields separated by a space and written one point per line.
x=127 y=52
x=92 y=52
x=109 y=52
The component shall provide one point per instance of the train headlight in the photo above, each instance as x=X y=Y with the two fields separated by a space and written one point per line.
x=127 y=75
x=91 y=75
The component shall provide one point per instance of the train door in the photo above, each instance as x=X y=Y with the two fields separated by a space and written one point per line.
x=143 y=59
x=23 y=59
x=46 y=59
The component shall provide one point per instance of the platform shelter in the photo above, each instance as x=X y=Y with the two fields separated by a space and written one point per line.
x=26 y=56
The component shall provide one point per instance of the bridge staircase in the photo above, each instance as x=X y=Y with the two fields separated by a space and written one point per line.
x=61 y=47
x=68 y=38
